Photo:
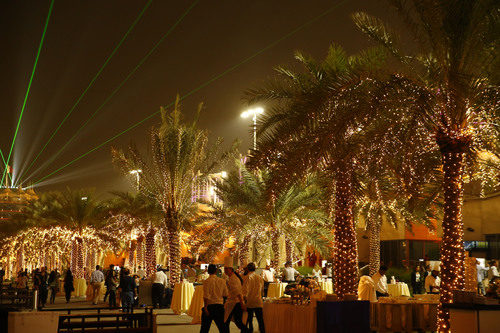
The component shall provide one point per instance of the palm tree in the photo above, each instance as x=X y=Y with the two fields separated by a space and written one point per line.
x=79 y=211
x=446 y=88
x=252 y=204
x=137 y=214
x=318 y=121
x=180 y=156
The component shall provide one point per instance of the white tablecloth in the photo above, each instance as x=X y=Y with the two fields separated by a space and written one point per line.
x=181 y=299
x=326 y=286
x=80 y=287
x=398 y=289
x=196 y=305
x=289 y=318
x=276 y=290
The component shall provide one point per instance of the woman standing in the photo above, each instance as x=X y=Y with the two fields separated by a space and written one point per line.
x=53 y=285
x=417 y=279
x=68 y=285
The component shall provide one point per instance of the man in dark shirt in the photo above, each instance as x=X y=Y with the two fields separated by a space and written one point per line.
x=128 y=289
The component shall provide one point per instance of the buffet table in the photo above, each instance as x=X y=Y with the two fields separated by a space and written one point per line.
x=276 y=289
x=398 y=289
x=181 y=299
x=196 y=305
x=474 y=318
x=283 y=317
x=403 y=316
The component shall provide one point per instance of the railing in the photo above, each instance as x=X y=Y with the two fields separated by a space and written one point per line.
x=97 y=322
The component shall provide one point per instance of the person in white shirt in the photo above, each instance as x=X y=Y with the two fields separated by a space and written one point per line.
x=432 y=283
x=289 y=273
x=316 y=272
x=252 y=288
x=214 y=289
x=235 y=304
x=366 y=289
x=380 y=281
x=141 y=273
x=268 y=277
x=493 y=271
x=160 y=282
x=96 y=281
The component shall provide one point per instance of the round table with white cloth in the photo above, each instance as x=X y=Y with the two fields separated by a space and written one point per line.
x=196 y=305
x=398 y=289
x=181 y=299
x=326 y=286
x=80 y=286
x=276 y=289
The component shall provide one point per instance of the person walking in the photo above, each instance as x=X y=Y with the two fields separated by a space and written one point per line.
x=214 y=291
x=252 y=289
x=40 y=284
x=127 y=290
x=68 y=285
x=106 y=275
x=54 y=285
x=160 y=282
x=96 y=280
x=235 y=304
x=417 y=279
x=111 y=287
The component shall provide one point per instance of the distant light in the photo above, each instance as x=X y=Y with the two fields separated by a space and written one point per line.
x=223 y=174
x=134 y=172
x=84 y=198
x=252 y=112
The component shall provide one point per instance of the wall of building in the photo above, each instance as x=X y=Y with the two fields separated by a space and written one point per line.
x=482 y=215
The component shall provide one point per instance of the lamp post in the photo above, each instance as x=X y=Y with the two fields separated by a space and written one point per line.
x=253 y=112
x=137 y=173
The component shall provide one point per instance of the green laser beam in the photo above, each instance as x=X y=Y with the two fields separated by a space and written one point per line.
x=141 y=62
x=203 y=85
x=3 y=159
x=90 y=84
x=29 y=87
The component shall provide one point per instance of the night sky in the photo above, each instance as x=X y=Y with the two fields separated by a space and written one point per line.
x=214 y=36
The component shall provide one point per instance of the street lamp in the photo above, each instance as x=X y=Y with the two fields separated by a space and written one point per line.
x=137 y=173
x=253 y=113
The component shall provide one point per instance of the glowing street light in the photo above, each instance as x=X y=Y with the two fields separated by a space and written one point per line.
x=253 y=113
x=137 y=173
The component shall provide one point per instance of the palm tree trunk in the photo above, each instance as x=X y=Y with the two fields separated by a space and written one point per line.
x=346 y=248
x=131 y=255
x=452 y=249
x=244 y=249
x=289 y=249
x=275 y=246
x=174 y=244
x=140 y=251
x=79 y=262
x=20 y=259
x=374 y=227
x=150 y=252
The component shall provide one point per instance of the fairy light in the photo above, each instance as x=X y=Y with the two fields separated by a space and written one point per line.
x=150 y=252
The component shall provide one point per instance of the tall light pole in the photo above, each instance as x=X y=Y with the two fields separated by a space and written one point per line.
x=137 y=173
x=253 y=113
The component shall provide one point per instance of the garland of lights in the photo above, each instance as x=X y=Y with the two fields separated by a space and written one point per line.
x=150 y=252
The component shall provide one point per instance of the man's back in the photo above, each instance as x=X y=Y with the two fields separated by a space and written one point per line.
x=253 y=288
x=214 y=289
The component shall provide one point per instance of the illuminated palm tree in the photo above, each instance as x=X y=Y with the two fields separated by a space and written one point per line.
x=445 y=87
x=319 y=121
x=180 y=156
x=259 y=210
x=140 y=214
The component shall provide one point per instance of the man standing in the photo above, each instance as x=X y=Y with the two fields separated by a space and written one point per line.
x=235 y=304
x=160 y=282
x=109 y=273
x=214 y=289
x=380 y=281
x=253 y=292
x=480 y=277
x=493 y=271
x=96 y=280
x=432 y=283
x=127 y=288
x=268 y=277
x=141 y=273
x=289 y=273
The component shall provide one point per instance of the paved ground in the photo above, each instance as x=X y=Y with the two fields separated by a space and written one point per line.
x=167 y=321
